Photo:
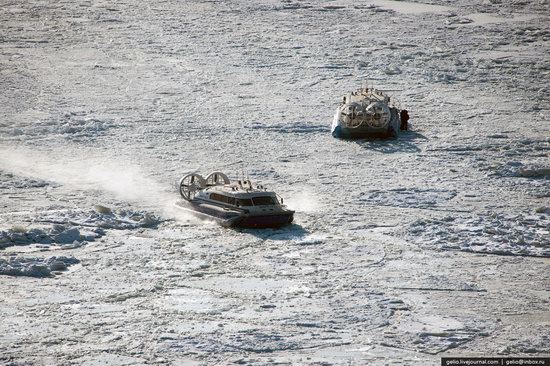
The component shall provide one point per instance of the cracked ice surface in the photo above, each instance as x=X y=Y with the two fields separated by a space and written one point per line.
x=432 y=244
x=35 y=267
x=493 y=234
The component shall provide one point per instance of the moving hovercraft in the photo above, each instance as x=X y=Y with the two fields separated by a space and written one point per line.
x=238 y=204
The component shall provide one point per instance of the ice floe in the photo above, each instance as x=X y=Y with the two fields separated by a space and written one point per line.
x=35 y=267
x=408 y=197
x=538 y=344
x=11 y=181
x=71 y=125
x=102 y=217
x=518 y=169
x=433 y=334
x=74 y=228
x=66 y=236
x=523 y=234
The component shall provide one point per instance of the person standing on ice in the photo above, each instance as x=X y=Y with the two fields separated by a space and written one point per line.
x=404 y=116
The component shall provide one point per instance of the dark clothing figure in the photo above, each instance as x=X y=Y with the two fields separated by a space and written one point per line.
x=404 y=120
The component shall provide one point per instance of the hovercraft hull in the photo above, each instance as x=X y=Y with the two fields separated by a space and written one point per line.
x=235 y=217
x=359 y=133
x=265 y=221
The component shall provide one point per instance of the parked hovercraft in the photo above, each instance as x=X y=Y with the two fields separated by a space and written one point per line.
x=238 y=204
x=368 y=113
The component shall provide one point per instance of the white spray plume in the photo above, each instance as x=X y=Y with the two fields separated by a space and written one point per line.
x=303 y=201
x=124 y=180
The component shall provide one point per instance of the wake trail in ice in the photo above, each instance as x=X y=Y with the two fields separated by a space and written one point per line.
x=122 y=179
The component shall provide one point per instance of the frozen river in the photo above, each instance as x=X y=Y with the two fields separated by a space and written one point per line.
x=402 y=251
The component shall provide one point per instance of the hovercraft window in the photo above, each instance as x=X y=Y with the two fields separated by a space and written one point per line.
x=222 y=198
x=244 y=202
x=263 y=201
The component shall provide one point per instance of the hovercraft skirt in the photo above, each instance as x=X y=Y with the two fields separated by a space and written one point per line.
x=236 y=217
x=265 y=221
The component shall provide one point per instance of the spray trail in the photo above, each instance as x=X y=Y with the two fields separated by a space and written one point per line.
x=303 y=201
x=123 y=180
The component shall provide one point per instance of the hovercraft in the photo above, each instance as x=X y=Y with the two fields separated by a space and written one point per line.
x=367 y=112
x=237 y=204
